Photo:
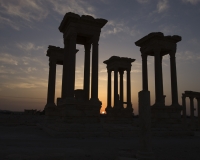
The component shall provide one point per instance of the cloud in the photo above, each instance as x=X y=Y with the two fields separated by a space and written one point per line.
x=162 y=6
x=113 y=28
x=19 y=85
x=169 y=29
x=193 y=2
x=143 y=1
x=9 y=22
x=187 y=55
x=76 y=6
x=8 y=59
x=29 y=46
x=25 y=9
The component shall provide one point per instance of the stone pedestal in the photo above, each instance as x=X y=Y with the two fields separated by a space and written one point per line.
x=79 y=111
x=117 y=113
x=145 y=146
x=166 y=116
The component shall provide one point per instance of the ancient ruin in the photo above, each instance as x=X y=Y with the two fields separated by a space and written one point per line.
x=157 y=45
x=74 y=106
x=194 y=124
x=119 y=65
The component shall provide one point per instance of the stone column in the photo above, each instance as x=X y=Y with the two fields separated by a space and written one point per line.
x=198 y=107
x=174 y=89
x=51 y=84
x=128 y=89
x=95 y=59
x=109 y=89
x=65 y=68
x=144 y=72
x=121 y=72
x=145 y=141
x=184 y=108
x=192 y=111
x=158 y=79
x=72 y=65
x=116 y=98
x=86 y=83
x=161 y=58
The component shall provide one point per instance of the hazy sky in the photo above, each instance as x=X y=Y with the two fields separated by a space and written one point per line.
x=27 y=27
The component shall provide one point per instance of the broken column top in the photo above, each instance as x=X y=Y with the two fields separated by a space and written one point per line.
x=119 y=62
x=84 y=19
x=192 y=93
x=159 y=36
x=56 y=53
x=157 y=40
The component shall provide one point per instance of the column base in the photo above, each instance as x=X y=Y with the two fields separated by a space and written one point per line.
x=119 y=115
x=141 y=155
x=166 y=116
x=73 y=110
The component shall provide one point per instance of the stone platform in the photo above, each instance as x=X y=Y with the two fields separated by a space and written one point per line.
x=167 y=116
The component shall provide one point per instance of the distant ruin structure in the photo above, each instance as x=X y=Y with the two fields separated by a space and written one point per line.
x=157 y=45
x=75 y=105
x=118 y=65
x=192 y=95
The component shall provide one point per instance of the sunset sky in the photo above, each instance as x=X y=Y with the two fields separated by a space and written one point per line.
x=27 y=27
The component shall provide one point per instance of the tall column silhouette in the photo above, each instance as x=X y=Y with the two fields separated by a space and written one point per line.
x=174 y=89
x=192 y=109
x=86 y=83
x=184 y=107
x=95 y=59
x=144 y=72
x=109 y=90
x=128 y=89
x=72 y=64
x=51 y=84
x=198 y=108
x=121 y=73
x=116 y=98
x=158 y=78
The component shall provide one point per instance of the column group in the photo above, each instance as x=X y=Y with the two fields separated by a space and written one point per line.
x=119 y=98
x=192 y=109
x=69 y=64
x=159 y=97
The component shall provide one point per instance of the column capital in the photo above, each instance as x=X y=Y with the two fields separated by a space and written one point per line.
x=156 y=50
x=191 y=97
x=52 y=62
x=144 y=56
x=95 y=39
x=197 y=98
x=121 y=72
x=183 y=96
x=109 y=70
x=172 y=53
x=87 y=46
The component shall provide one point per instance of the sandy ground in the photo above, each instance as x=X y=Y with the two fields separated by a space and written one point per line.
x=31 y=143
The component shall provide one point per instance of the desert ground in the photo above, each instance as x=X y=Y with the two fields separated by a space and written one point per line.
x=22 y=139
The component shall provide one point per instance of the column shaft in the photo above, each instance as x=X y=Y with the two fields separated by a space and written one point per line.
x=116 y=97
x=51 y=84
x=95 y=59
x=65 y=74
x=192 y=109
x=86 y=83
x=121 y=89
x=144 y=72
x=72 y=65
x=158 y=79
x=128 y=89
x=184 y=107
x=198 y=107
x=174 y=88
x=109 y=90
